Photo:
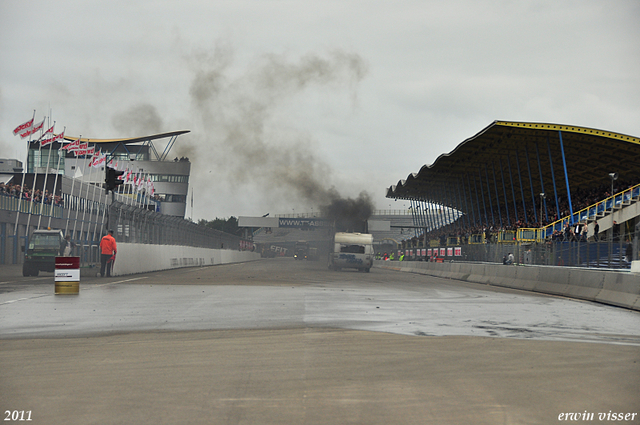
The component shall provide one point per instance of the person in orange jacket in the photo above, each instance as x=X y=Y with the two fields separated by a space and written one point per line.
x=108 y=250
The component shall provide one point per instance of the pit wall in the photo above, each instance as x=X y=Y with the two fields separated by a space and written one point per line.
x=621 y=289
x=141 y=258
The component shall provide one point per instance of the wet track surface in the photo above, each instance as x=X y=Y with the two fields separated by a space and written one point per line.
x=283 y=294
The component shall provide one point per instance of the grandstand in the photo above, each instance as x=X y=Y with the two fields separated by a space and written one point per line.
x=529 y=184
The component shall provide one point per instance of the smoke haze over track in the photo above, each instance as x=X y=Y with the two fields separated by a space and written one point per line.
x=245 y=143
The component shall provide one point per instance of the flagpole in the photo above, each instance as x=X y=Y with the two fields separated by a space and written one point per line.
x=104 y=212
x=106 y=202
x=46 y=177
x=93 y=197
x=134 y=190
x=132 y=179
x=33 y=189
x=84 y=165
x=55 y=183
x=145 y=193
x=136 y=181
x=46 y=174
x=15 y=229
x=140 y=184
x=73 y=181
x=84 y=210
x=35 y=169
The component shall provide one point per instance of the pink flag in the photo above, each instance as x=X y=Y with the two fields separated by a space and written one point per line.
x=23 y=127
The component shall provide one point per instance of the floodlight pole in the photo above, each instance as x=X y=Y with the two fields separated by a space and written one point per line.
x=541 y=200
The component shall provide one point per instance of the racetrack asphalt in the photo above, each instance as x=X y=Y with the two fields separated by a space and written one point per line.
x=286 y=342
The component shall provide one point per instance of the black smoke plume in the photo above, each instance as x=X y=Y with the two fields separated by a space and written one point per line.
x=349 y=215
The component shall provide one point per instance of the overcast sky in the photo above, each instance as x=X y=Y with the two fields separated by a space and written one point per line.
x=286 y=100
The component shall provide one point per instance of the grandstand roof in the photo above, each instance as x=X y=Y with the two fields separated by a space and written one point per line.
x=130 y=139
x=520 y=153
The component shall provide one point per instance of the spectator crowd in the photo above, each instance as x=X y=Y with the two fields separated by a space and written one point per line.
x=28 y=194
x=581 y=199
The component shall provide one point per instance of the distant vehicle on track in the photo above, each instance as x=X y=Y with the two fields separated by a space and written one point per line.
x=352 y=250
x=301 y=250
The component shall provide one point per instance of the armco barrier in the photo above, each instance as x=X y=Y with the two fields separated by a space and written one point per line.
x=617 y=288
x=141 y=258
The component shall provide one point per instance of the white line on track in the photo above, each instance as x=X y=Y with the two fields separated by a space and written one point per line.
x=24 y=299
x=120 y=281
x=22 y=281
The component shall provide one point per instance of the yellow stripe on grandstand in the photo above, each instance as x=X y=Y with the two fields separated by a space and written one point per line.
x=570 y=129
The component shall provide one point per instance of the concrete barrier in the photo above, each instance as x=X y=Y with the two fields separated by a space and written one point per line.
x=141 y=258
x=619 y=288
x=553 y=280
x=586 y=284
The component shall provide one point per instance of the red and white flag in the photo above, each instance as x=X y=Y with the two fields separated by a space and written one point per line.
x=33 y=129
x=22 y=127
x=98 y=159
x=46 y=133
x=83 y=149
x=73 y=146
x=56 y=138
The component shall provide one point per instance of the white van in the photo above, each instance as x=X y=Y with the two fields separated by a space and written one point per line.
x=352 y=250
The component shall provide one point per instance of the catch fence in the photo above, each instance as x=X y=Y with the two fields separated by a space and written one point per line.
x=87 y=218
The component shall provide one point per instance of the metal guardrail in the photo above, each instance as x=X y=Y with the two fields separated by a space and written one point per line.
x=11 y=203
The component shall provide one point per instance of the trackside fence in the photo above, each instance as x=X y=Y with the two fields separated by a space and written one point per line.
x=86 y=220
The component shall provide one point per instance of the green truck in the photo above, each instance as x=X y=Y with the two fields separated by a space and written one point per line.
x=44 y=247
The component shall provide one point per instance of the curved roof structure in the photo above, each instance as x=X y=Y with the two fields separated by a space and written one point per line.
x=130 y=139
x=513 y=162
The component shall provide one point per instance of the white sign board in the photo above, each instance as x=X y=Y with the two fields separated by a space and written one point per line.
x=67 y=275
